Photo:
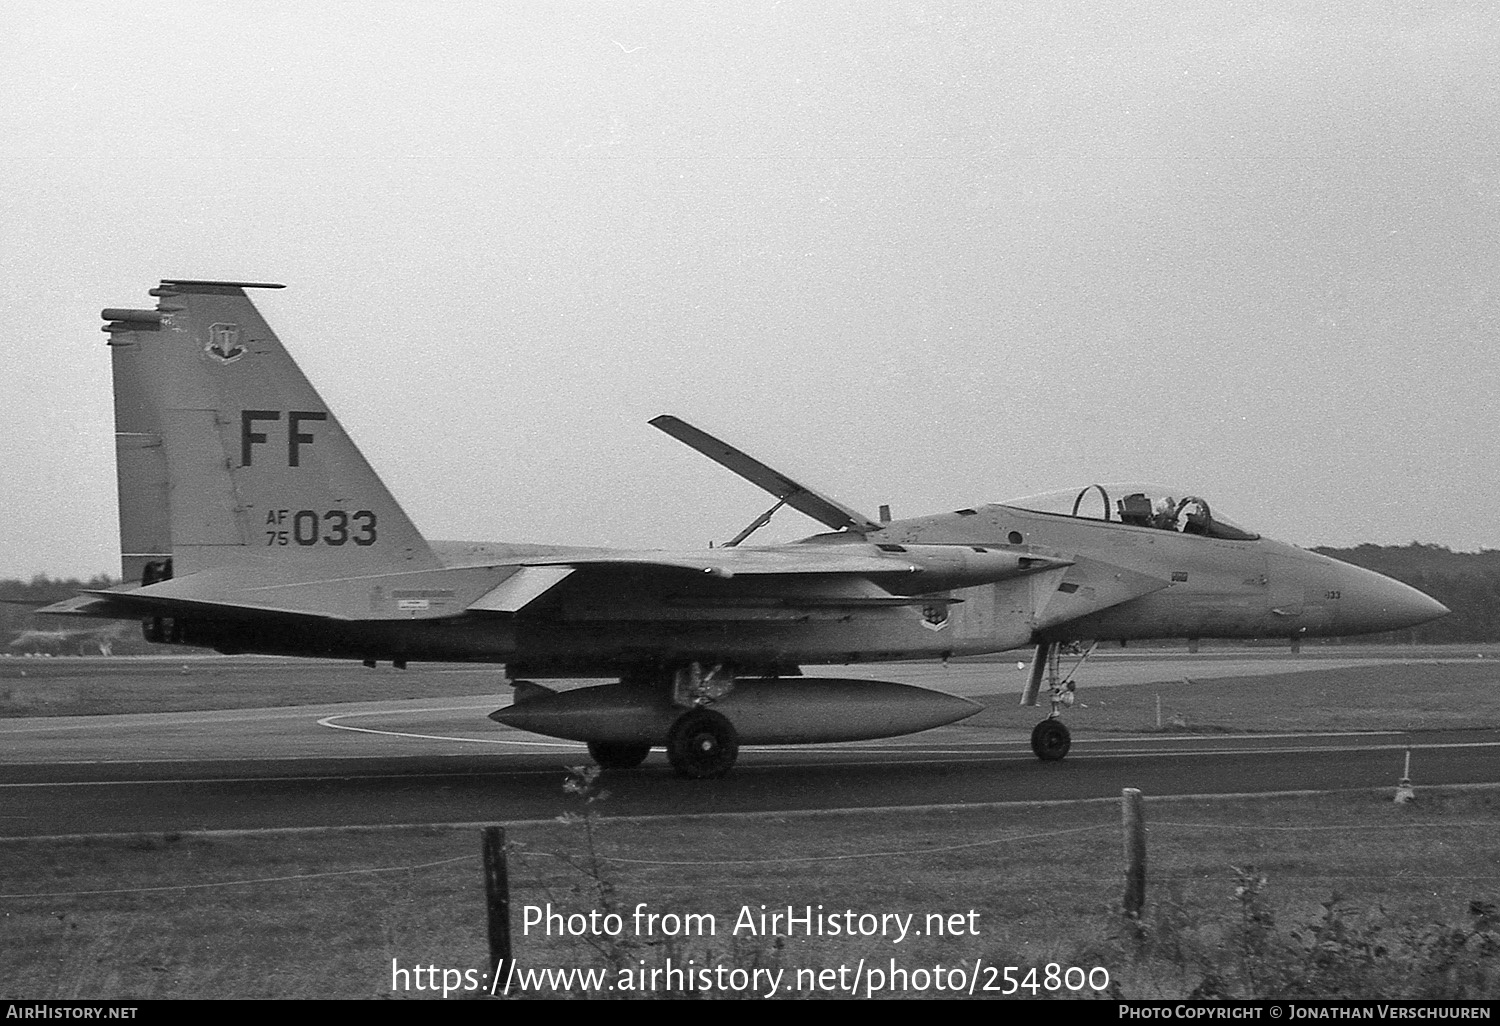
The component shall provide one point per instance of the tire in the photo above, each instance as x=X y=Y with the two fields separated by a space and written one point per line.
x=1050 y=740
x=702 y=745
x=618 y=755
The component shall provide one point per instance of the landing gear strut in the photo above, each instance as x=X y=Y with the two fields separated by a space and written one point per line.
x=702 y=744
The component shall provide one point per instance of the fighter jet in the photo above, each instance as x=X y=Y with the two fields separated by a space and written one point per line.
x=250 y=522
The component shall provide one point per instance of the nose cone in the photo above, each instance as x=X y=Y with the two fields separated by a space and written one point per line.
x=1371 y=602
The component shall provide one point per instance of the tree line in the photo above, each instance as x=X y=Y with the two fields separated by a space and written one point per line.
x=1466 y=582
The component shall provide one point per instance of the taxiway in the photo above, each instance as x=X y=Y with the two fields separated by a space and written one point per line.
x=440 y=760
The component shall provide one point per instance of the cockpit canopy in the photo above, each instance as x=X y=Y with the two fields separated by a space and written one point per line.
x=1139 y=505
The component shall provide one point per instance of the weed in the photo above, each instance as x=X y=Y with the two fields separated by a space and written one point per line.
x=1341 y=952
x=626 y=956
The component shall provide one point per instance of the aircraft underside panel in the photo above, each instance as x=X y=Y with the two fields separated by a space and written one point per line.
x=835 y=620
x=649 y=642
x=586 y=633
x=583 y=650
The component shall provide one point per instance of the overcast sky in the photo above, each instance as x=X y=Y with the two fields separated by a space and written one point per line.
x=922 y=254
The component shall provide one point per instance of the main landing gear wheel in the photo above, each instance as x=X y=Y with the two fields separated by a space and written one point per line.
x=1050 y=740
x=702 y=744
x=618 y=755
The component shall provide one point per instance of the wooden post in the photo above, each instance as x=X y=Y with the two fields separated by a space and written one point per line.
x=1133 y=816
x=497 y=902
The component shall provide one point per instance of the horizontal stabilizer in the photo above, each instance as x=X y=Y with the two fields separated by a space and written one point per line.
x=150 y=602
x=263 y=594
x=801 y=498
x=102 y=606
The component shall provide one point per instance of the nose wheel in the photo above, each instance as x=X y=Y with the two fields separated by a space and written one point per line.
x=702 y=745
x=1050 y=740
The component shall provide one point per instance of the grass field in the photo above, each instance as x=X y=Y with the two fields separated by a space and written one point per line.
x=90 y=687
x=1236 y=900
x=1426 y=695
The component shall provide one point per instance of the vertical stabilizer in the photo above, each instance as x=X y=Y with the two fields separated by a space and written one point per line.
x=227 y=456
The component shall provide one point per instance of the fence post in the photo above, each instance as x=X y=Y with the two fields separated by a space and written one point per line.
x=1133 y=817
x=497 y=903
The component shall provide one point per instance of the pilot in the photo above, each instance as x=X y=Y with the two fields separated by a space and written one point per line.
x=1164 y=517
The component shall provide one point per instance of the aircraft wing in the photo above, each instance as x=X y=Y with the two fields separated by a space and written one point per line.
x=251 y=593
x=801 y=498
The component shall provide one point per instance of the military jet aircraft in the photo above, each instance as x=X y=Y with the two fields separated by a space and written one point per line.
x=250 y=522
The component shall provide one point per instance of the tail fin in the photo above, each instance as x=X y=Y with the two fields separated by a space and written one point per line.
x=227 y=456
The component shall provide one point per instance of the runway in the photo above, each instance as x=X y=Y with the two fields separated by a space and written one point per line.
x=441 y=761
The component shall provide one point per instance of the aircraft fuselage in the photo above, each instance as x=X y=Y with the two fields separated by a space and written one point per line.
x=616 y=623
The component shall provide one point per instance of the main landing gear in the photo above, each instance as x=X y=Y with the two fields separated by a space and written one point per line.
x=701 y=744
x=1050 y=739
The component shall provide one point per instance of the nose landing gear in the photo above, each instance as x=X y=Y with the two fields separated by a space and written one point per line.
x=1050 y=739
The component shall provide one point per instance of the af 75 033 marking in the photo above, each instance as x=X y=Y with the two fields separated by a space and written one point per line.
x=311 y=527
